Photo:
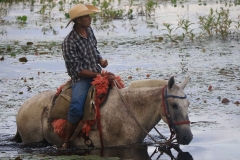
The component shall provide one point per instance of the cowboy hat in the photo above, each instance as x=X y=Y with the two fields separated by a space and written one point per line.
x=81 y=10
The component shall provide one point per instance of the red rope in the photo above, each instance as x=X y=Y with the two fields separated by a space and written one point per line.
x=97 y=103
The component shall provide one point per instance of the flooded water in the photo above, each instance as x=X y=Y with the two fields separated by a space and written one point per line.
x=133 y=49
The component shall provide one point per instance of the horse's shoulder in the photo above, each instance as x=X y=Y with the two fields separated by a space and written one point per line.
x=147 y=83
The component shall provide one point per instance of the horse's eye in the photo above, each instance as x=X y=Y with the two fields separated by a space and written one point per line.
x=174 y=106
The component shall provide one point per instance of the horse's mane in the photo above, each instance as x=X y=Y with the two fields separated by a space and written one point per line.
x=147 y=83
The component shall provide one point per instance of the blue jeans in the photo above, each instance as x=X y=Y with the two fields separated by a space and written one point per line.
x=79 y=95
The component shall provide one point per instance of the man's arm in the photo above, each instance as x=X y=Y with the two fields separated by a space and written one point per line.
x=89 y=74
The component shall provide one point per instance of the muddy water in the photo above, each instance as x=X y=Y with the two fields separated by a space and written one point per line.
x=133 y=50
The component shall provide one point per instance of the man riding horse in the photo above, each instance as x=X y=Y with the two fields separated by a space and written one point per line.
x=83 y=62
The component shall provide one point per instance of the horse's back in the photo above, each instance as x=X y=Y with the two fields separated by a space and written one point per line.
x=29 y=117
x=147 y=83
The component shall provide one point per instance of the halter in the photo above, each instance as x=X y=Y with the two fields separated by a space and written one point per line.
x=171 y=124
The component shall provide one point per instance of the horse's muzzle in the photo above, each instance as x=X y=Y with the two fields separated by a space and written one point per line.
x=185 y=140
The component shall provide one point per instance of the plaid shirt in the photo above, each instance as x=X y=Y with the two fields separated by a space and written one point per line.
x=80 y=53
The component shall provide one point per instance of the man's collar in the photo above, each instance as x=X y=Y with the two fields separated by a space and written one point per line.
x=78 y=36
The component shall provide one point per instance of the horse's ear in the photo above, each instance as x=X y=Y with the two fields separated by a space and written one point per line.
x=171 y=82
x=184 y=83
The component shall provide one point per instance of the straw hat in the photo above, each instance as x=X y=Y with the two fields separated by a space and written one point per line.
x=81 y=10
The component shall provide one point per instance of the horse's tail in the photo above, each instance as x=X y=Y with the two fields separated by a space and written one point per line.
x=17 y=138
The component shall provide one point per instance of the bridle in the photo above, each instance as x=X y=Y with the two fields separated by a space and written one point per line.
x=171 y=124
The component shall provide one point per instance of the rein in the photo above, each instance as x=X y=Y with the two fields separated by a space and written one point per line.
x=171 y=124
x=126 y=106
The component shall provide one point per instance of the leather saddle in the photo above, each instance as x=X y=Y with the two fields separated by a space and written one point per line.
x=61 y=103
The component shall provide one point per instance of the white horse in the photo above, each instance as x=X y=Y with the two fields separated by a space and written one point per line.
x=144 y=103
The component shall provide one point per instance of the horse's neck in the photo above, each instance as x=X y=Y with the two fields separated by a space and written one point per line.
x=142 y=103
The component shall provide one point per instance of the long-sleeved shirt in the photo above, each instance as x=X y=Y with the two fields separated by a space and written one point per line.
x=80 y=53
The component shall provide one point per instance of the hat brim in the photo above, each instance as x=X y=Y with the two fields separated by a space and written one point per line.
x=91 y=9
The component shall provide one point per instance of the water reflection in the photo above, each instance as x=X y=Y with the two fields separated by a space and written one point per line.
x=136 y=152
x=184 y=156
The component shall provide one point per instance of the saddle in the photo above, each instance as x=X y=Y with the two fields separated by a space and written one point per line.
x=62 y=100
x=97 y=95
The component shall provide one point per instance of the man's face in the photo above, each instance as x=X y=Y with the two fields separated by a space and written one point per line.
x=85 y=21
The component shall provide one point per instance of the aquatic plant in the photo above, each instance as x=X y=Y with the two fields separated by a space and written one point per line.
x=130 y=14
x=170 y=34
x=108 y=13
x=22 y=19
x=67 y=15
x=174 y=2
x=206 y=23
x=46 y=9
x=217 y=22
x=3 y=13
x=149 y=6
x=49 y=29
x=185 y=24
x=9 y=48
x=222 y=23
x=61 y=4
x=106 y=9
x=237 y=28
x=3 y=32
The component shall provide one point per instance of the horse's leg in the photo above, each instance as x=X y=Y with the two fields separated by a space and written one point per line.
x=17 y=138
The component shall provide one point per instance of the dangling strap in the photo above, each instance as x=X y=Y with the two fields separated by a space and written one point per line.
x=99 y=120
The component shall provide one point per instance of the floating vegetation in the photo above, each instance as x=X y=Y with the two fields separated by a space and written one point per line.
x=23 y=59
x=22 y=19
x=47 y=8
x=150 y=7
x=185 y=24
x=217 y=23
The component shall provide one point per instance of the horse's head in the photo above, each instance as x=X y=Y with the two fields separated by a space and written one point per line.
x=174 y=110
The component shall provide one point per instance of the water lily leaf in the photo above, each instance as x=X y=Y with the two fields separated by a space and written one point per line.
x=237 y=102
x=225 y=101
x=19 y=17
x=23 y=59
x=67 y=15
x=13 y=54
x=29 y=43
x=160 y=39
x=24 y=18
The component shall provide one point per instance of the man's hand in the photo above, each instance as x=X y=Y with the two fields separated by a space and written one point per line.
x=103 y=63
x=109 y=75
